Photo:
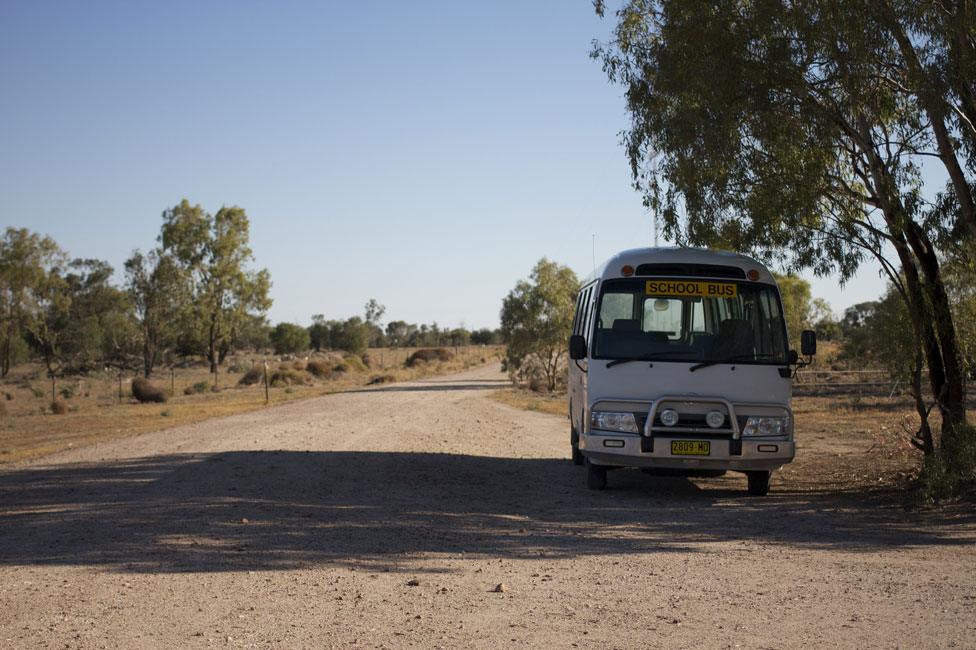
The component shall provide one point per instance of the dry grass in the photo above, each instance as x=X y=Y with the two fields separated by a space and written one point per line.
x=528 y=400
x=28 y=429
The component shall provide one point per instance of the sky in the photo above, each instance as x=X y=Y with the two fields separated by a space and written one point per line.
x=424 y=154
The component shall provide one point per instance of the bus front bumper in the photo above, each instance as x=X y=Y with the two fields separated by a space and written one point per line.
x=625 y=450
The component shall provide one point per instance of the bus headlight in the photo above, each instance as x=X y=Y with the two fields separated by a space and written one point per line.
x=765 y=425
x=613 y=421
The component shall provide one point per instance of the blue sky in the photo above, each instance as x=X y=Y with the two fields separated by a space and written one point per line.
x=423 y=154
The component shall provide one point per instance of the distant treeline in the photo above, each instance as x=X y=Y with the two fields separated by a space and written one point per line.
x=196 y=294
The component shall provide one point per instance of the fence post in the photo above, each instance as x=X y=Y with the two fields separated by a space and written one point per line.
x=267 y=395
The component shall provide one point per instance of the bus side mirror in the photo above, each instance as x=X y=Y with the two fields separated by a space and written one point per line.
x=577 y=347
x=808 y=343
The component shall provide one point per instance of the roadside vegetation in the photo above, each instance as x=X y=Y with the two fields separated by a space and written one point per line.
x=183 y=337
x=102 y=405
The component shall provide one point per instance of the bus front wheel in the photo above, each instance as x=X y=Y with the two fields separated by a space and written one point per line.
x=578 y=458
x=596 y=476
x=758 y=483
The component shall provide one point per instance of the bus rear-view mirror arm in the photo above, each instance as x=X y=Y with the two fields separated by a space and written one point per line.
x=808 y=348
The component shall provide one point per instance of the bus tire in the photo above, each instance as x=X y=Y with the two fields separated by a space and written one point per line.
x=578 y=458
x=596 y=476
x=758 y=483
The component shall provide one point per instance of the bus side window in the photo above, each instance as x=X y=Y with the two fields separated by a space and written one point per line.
x=587 y=311
x=577 y=321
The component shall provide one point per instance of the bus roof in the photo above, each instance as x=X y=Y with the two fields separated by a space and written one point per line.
x=669 y=261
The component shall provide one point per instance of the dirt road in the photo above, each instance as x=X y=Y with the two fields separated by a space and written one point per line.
x=386 y=518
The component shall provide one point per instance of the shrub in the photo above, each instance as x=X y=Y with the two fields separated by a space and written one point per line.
x=381 y=379
x=288 y=338
x=215 y=388
x=144 y=391
x=237 y=367
x=253 y=376
x=37 y=392
x=319 y=368
x=59 y=407
x=166 y=413
x=427 y=355
x=289 y=377
x=298 y=365
x=67 y=392
x=197 y=388
x=951 y=471
x=9 y=396
x=354 y=363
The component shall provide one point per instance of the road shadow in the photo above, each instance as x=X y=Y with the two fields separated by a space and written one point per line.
x=292 y=509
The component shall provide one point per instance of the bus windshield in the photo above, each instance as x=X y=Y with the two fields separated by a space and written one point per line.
x=674 y=319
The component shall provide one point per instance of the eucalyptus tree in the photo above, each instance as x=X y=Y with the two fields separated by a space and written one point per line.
x=159 y=291
x=537 y=318
x=214 y=252
x=796 y=131
x=26 y=258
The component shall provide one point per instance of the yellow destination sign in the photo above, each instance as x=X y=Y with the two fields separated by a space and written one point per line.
x=690 y=288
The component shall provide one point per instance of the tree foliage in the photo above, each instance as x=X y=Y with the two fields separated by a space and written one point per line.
x=26 y=260
x=160 y=295
x=795 y=131
x=289 y=338
x=797 y=305
x=214 y=252
x=537 y=318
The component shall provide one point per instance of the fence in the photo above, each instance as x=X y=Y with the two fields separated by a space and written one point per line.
x=848 y=382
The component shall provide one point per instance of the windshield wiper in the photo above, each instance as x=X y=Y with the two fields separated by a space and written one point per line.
x=734 y=357
x=647 y=357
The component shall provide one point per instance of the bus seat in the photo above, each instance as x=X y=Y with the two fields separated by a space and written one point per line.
x=734 y=338
x=626 y=325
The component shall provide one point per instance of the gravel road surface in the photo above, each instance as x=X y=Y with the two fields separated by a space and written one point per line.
x=428 y=515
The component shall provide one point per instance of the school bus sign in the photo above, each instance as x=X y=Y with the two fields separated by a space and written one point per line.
x=690 y=289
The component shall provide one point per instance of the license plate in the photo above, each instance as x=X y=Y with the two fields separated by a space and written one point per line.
x=691 y=448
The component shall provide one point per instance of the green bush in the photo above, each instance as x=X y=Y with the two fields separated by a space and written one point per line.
x=427 y=355
x=354 y=363
x=253 y=376
x=289 y=338
x=144 y=391
x=197 y=388
x=950 y=473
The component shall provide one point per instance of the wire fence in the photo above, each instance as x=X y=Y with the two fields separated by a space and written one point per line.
x=875 y=383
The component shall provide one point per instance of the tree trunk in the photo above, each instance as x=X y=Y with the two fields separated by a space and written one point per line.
x=212 y=345
x=952 y=399
x=926 y=297
x=5 y=356
x=923 y=439
x=147 y=355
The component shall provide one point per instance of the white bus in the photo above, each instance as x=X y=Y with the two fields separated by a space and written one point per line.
x=680 y=362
